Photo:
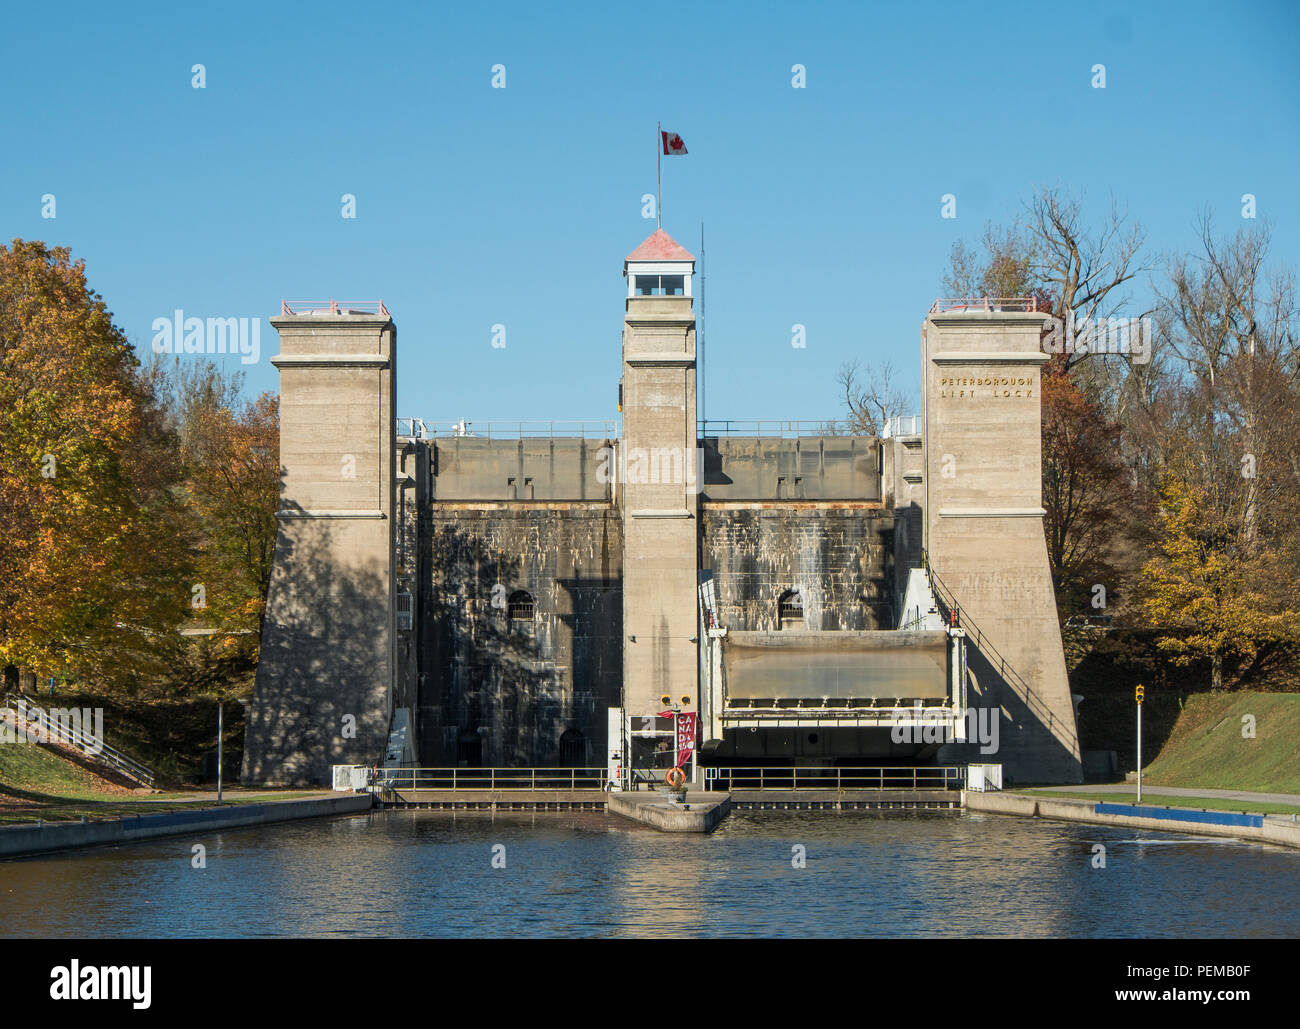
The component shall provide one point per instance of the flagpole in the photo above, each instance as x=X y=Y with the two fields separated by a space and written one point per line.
x=659 y=172
x=700 y=331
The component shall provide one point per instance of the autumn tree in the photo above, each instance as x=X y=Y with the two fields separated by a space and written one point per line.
x=230 y=459
x=93 y=548
x=1230 y=528
x=1004 y=265
x=1052 y=253
x=1233 y=327
x=1210 y=587
x=1082 y=268
x=1086 y=494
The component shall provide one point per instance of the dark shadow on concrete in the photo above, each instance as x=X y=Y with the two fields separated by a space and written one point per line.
x=521 y=687
x=321 y=696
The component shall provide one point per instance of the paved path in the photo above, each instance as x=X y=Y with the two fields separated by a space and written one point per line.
x=1181 y=791
x=210 y=796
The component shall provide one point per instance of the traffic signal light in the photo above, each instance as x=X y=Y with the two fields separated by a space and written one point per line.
x=1141 y=692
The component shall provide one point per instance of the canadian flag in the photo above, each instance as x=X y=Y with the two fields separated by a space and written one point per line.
x=673 y=144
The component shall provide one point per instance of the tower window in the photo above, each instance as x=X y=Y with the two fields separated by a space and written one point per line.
x=660 y=285
x=519 y=607
x=790 y=610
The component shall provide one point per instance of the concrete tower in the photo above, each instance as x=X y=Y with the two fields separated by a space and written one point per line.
x=323 y=680
x=659 y=479
x=984 y=531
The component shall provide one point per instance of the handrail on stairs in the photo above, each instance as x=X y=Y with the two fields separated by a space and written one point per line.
x=92 y=746
x=947 y=599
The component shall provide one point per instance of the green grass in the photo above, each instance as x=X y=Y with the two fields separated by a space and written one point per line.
x=1206 y=750
x=1161 y=800
x=36 y=783
x=30 y=772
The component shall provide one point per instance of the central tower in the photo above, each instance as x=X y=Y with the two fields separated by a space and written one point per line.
x=659 y=479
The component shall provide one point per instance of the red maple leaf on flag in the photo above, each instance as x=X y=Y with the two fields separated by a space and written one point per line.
x=673 y=144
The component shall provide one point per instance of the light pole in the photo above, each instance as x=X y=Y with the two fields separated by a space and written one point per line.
x=220 y=733
x=1140 y=693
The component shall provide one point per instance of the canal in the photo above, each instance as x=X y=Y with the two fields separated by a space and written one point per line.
x=835 y=874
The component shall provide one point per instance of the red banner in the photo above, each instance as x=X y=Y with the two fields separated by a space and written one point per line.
x=685 y=737
x=684 y=728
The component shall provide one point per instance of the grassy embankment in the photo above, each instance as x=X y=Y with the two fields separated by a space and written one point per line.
x=1205 y=749
x=169 y=735
x=39 y=782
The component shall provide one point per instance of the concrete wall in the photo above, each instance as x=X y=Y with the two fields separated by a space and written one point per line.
x=903 y=478
x=660 y=519
x=519 y=686
x=806 y=468
x=410 y=570
x=984 y=531
x=522 y=469
x=840 y=556
x=323 y=678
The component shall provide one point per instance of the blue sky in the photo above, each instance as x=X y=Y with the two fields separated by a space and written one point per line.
x=478 y=206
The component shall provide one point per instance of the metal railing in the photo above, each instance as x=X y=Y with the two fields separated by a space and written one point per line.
x=418 y=428
x=92 y=746
x=903 y=425
x=785 y=429
x=906 y=777
x=943 y=304
x=487 y=779
x=370 y=307
x=948 y=607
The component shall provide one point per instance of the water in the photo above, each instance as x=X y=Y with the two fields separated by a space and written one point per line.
x=429 y=873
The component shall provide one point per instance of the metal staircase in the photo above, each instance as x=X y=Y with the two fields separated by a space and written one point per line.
x=38 y=723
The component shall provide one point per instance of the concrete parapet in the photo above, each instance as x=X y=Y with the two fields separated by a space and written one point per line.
x=22 y=840
x=1285 y=834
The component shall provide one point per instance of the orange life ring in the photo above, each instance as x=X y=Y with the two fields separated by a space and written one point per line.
x=680 y=778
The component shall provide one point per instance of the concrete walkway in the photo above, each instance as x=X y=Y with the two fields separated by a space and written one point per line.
x=1179 y=791
x=1077 y=809
x=229 y=796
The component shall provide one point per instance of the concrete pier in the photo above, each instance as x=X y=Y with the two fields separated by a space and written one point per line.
x=701 y=813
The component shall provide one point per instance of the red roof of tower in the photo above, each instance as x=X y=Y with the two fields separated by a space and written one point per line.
x=659 y=246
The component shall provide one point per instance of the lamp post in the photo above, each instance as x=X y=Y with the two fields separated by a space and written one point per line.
x=220 y=733
x=1140 y=694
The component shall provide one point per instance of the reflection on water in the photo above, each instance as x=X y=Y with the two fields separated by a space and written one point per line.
x=430 y=873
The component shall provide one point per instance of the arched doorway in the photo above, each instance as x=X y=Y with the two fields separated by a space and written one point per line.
x=573 y=749
x=469 y=749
